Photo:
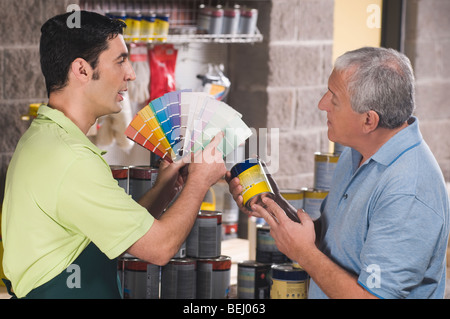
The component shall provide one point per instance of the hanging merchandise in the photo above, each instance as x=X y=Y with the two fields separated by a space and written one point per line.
x=162 y=60
x=214 y=82
x=138 y=90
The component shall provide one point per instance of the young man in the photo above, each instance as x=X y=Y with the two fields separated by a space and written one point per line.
x=65 y=219
x=385 y=221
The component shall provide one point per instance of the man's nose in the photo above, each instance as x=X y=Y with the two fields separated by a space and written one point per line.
x=324 y=102
x=130 y=75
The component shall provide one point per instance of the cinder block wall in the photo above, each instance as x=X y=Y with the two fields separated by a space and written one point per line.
x=21 y=81
x=276 y=84
x=280 y=82
x=428 y=46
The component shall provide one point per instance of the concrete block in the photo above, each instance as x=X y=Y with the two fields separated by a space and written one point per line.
x=23 y=76
x=12 y=125
x=284 y=20
x=281 y=108
x=21 y=21
x=295 y=65
x=315 y=19
x=307 y=114
x=435 y=133
x=432 y=100
x=296 y=152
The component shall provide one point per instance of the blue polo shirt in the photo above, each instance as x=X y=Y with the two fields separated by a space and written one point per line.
x=387 y=221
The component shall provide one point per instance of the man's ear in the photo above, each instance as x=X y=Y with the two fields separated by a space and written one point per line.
x=81 y=70
x=371 y=121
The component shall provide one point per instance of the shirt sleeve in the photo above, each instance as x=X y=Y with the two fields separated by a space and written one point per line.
x=92 y=204
x=401 y=240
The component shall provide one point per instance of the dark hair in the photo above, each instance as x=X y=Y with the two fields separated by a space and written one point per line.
x=62 y=43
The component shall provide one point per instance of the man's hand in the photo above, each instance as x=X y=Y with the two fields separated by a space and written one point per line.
x=292 y=239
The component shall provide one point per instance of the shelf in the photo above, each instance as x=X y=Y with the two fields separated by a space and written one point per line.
x=207 y=38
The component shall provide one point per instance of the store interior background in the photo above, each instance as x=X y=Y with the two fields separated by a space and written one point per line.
x=275 y=84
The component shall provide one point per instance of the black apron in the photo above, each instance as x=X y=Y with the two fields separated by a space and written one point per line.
x=91 y=276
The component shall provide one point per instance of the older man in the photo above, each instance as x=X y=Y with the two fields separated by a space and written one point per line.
x=385 y=221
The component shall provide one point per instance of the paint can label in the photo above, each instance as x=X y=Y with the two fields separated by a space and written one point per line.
x=283 y=289
x=253 y=179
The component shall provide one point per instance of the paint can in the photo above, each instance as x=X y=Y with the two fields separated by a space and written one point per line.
x=229 y=230
x=133 y=21
x=266 y=250
x=294 y=197
x=230 y=211
x=253 y=280
x=253 y=178
x=179 y=279
x=120 y=174
x=312 y=202
x=181 y=253
x=324 y=166
x=231 y=17
x=213 y=277
x=288 y=282
x=140 y=279
x=248 y=20
x=204 y=240
x=142 y=178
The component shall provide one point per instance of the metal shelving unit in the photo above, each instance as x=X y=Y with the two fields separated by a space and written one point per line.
x=184 y=15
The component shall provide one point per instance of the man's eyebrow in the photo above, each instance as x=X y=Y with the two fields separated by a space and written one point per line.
x=122 y=55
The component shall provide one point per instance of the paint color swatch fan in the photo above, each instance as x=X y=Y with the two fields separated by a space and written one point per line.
x=181 y=122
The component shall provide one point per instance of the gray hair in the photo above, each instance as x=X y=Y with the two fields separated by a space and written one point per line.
x=381 y=80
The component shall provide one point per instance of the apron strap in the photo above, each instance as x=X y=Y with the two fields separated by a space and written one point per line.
x=91 y=275
x=9 y=288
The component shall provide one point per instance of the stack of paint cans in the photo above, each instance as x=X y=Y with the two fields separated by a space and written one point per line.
x=141 y=179
x=230 y=217
x=120 y=174
x=139 y=279
x=255 y=276
x=204 y=244
x=289 y=282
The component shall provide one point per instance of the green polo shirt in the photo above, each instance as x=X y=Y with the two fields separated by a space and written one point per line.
x=60 y=196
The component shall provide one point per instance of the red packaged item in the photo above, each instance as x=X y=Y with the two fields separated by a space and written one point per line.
x=162 y=60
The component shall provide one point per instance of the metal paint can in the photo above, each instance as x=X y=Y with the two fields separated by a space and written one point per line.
x=120 y=174
x=288 y=282
x=312 y=201
x=179 y=279
x=147 y=26
x=230 y=211
x=253 y=280
x=253 y=178
x=266 y=250
x=142 y=178
x=181 y=252
x=229 y=230
x=133 y=29
x=294 y=197
x=204 y=240
x=231 y=17
x=140 y=279
x=213 y=278
x=247 y=22
x=324 y=166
